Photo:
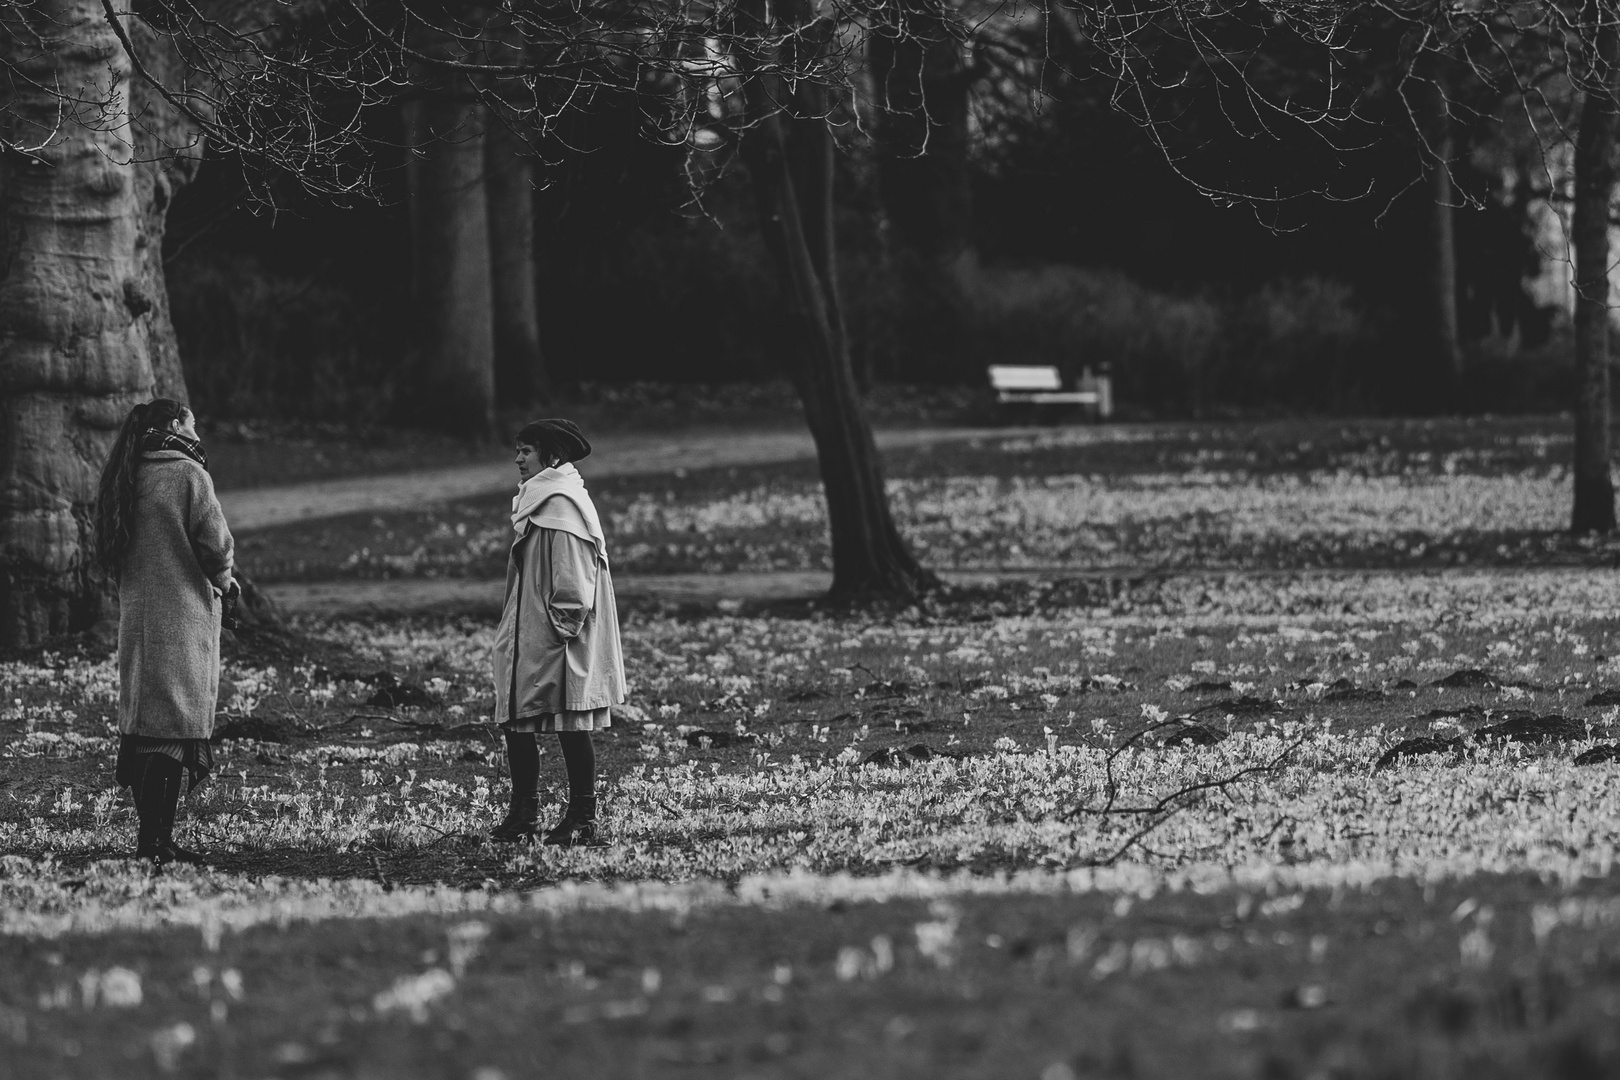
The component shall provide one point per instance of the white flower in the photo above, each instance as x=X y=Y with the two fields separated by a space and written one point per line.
x=412 y=994
x=168 y=1044
x=466 y=942
x=936 y=940
x=120 y=988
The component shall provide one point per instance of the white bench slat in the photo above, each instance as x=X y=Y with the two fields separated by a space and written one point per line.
x=1051 y=397
x=1024 y=377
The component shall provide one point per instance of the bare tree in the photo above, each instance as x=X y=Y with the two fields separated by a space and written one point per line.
x=510 y=175
x=1554 y=60
x=1437 y=131
x=1594 y=196
x=105 y=111
x=788 y=147
x=920 y=76
x=451 y=372
x=509 y=171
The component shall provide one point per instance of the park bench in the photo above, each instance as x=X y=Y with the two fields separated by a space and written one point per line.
x=1037 y=384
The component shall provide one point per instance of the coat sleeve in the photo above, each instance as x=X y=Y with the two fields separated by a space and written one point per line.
x=210 y=537
x=573 y=582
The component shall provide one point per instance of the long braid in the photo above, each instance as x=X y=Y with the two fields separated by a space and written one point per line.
x=115 y=495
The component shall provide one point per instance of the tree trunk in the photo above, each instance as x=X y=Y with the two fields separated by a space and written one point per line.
x=1443 y=280
x=789 y=152
x=453 y=366
x=84 y=315
x=520 y=373
x=920 y=89
x=1594 y=188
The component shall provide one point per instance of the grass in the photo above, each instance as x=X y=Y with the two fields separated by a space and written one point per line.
x=1390 y=980
x=790 y=887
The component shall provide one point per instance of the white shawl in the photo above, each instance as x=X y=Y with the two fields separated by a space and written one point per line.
x=562 y=480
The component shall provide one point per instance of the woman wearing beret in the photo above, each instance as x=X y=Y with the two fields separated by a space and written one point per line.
x=556 y=659
x=160 y=534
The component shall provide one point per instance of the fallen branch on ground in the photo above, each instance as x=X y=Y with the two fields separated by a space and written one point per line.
x=1163 y=810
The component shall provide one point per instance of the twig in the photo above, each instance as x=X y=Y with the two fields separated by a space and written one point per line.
x=1165 y=808
x=334 y=724
x=1108 y=769
x=1164 y=803
x=442 y=835
x=402 y=722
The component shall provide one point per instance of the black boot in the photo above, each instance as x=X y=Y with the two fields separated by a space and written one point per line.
x=149 y=796
x=167 y=850
x=578 y=825
x=522 y=819
x=523 y=816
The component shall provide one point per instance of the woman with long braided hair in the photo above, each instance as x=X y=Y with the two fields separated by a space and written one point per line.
x=161 y=536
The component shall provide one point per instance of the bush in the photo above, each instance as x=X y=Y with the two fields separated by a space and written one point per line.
x=1158 y=345
x=1502 y=376
x=1295 y=343
x=258 y=343
x=1300 y=342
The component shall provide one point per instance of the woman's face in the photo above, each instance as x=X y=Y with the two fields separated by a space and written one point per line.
x=186 y=425
x=529 y=461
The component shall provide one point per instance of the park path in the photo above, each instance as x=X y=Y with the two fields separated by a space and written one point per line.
x=482 y=596
x=418 y=596
x=611 y=455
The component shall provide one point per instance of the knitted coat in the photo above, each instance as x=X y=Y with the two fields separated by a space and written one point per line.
x=557 y=646
x=169 y=601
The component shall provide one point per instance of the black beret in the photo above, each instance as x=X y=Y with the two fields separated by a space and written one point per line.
x=555 y=438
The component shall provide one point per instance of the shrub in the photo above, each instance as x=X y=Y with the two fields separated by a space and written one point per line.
x=256 y=342
x=1159 y=346
x=1300 y=342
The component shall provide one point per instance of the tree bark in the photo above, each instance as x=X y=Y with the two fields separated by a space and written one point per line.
x=1443 y=279
x=788 y=148
x=452 y=371
x=84 y=316
x=920 y=89
x=1594 y=190
x=520 y=373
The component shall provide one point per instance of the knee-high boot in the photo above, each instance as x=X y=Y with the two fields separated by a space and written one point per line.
x=524 y=812
x=149 y=798
x=578 y=824
x=156 y=803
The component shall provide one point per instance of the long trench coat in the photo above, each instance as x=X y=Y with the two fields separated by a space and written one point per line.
x=179 y=562
x=557 y=647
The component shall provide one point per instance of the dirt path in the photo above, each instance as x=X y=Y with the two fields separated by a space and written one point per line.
x=613 y=455
x=478 y=596
x=462 y=595
x=483 y=596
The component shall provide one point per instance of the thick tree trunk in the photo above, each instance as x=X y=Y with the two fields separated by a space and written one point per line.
x=84 y=315
x=920 y=89
x=790 y=165
x=1594 y=189
x=520 y=373
x=453 y=367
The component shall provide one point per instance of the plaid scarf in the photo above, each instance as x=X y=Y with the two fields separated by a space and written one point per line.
x=160 y=439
